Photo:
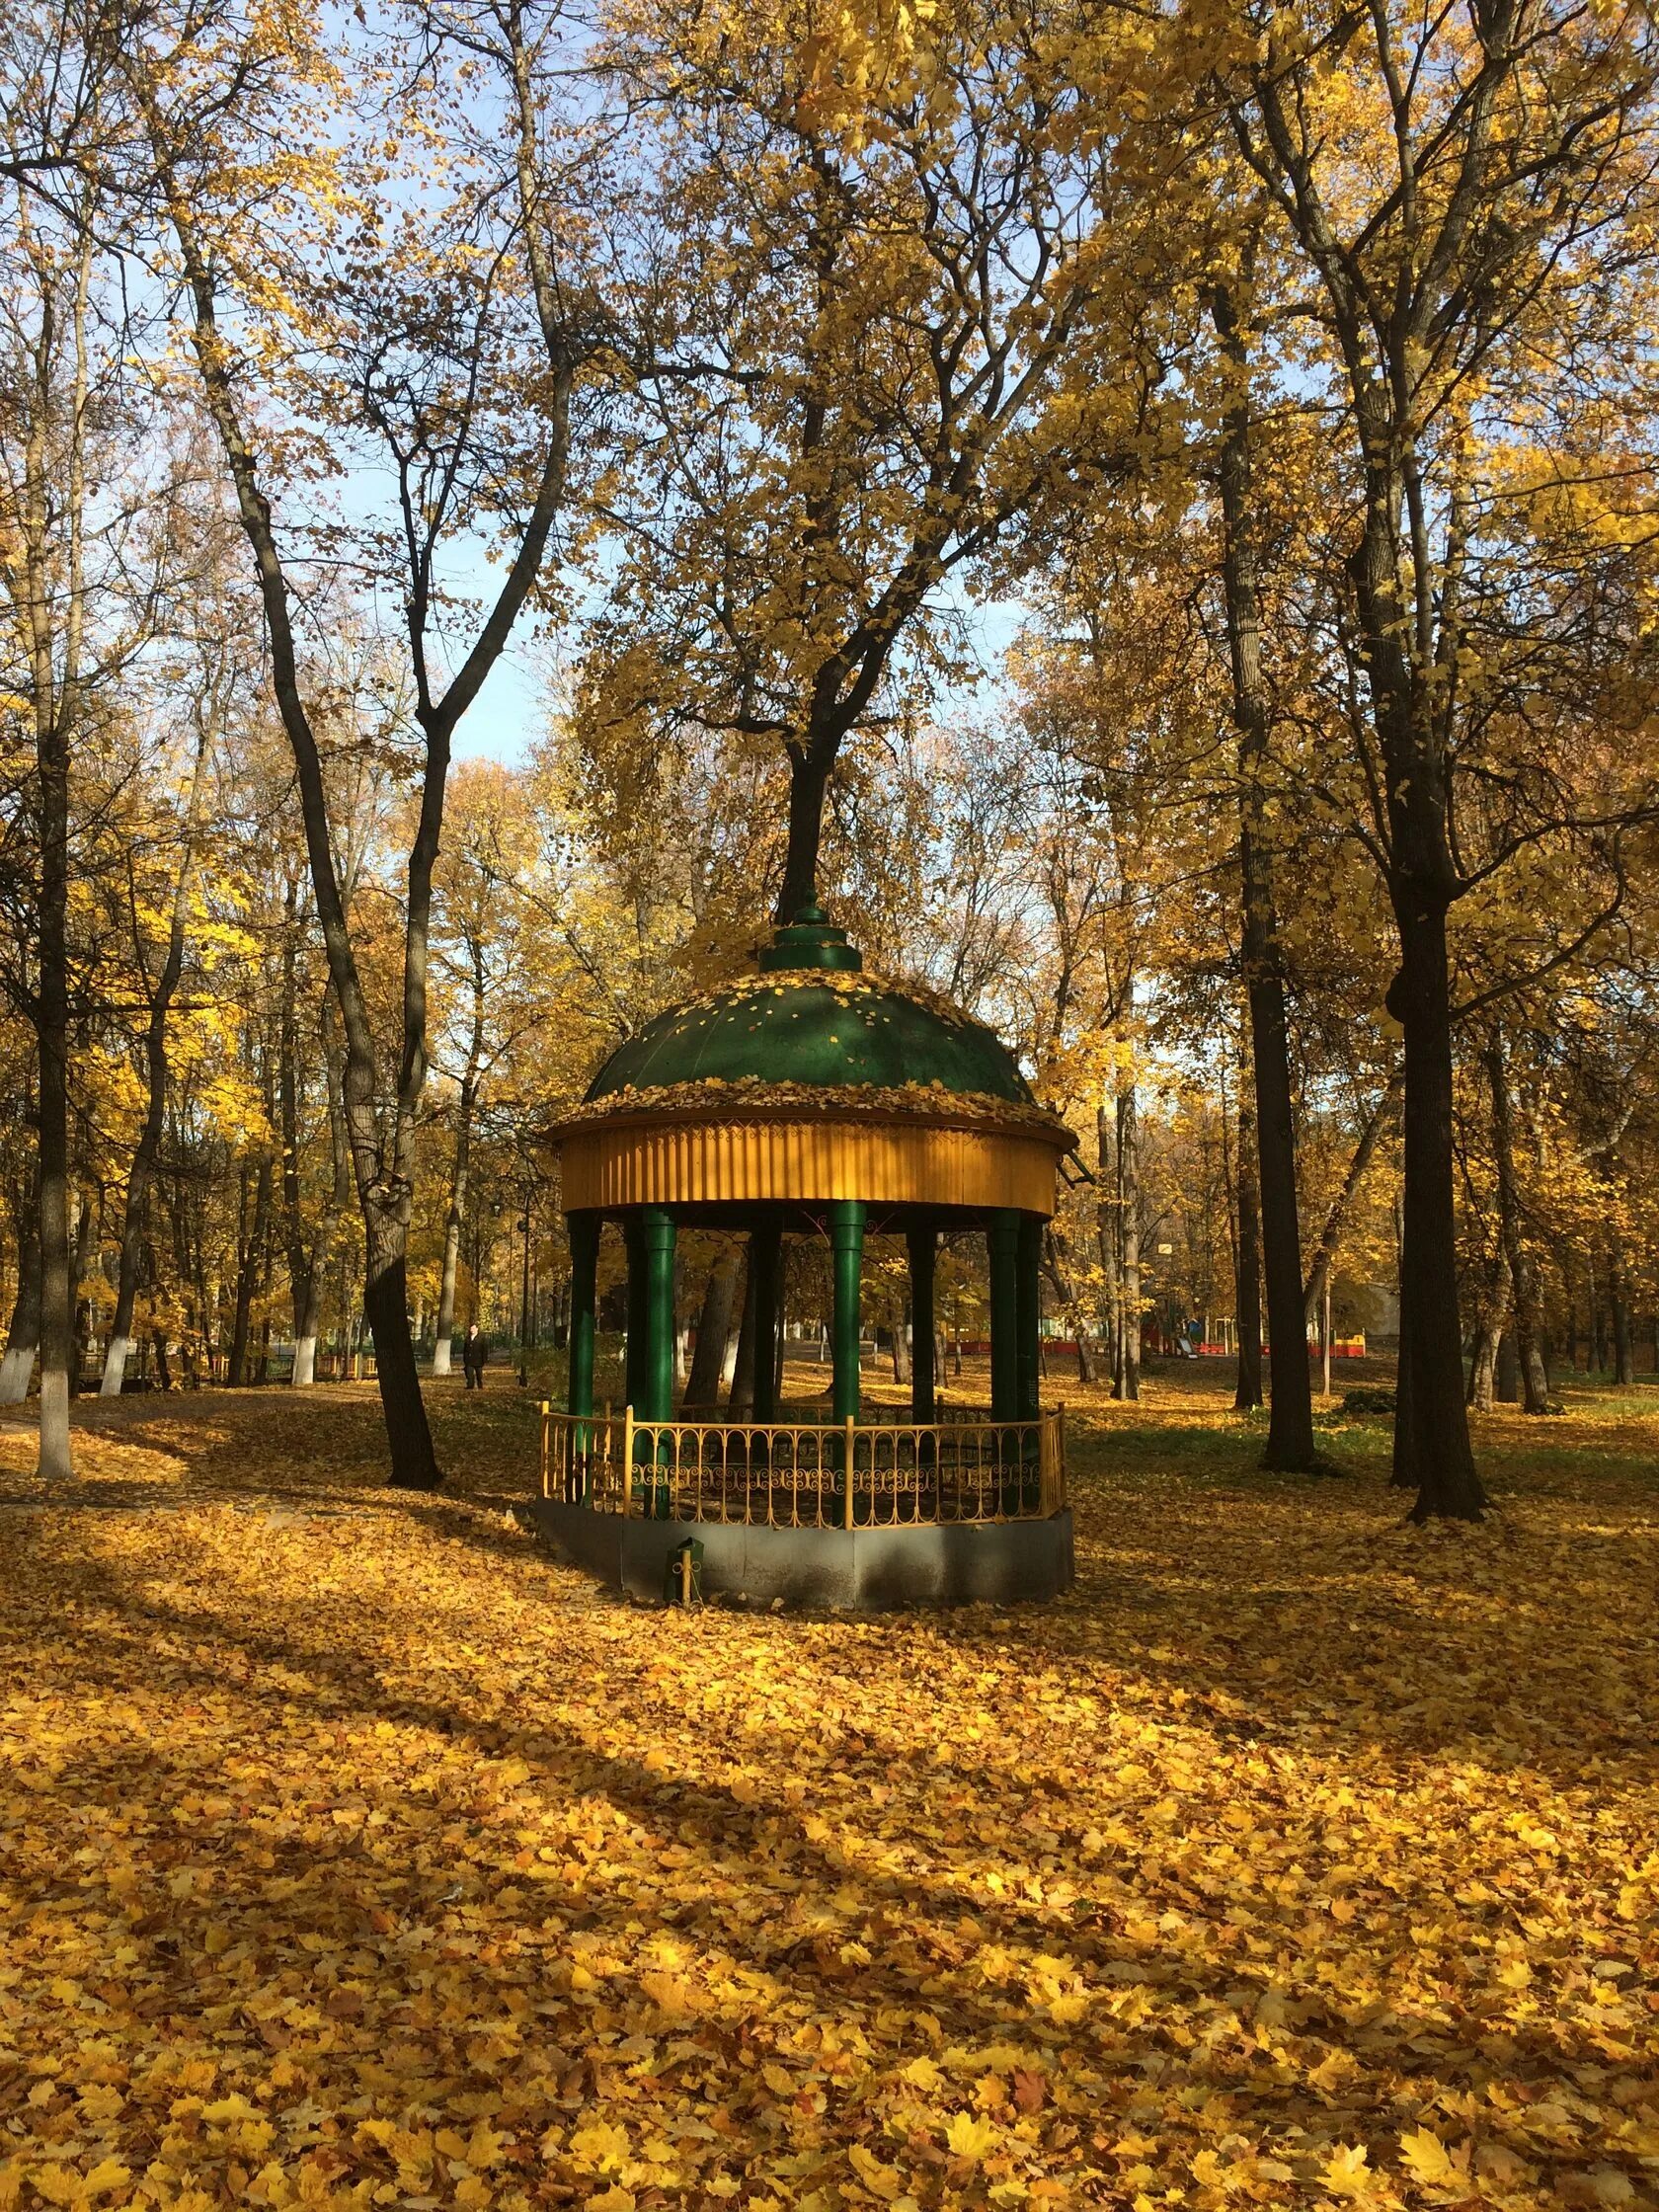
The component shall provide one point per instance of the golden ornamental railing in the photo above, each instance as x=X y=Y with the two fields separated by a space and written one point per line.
x=795 y=1475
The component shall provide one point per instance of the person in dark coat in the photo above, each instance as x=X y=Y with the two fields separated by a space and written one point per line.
x=474 y=1352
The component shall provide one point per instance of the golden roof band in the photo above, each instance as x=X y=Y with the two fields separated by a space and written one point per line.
x=801 y=1161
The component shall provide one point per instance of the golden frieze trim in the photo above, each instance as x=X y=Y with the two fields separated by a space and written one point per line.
x=772 y=1157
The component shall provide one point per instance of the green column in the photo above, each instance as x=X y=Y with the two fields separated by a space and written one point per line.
x=1029 y=1298
x=924 y=1248
x=655 y=1402
x=846 y=1248
x=1002 y=1237
x=765 y=1259
x=584 y=1230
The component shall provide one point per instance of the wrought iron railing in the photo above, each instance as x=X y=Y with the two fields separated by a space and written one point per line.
x=807 y=1474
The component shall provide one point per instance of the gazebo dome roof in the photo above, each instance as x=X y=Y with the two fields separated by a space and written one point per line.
x=807 y=1083
x=811 y=1020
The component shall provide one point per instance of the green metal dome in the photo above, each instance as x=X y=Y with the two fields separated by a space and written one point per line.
x=809 y=1017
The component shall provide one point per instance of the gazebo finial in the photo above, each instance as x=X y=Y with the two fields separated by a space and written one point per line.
x=811 y=940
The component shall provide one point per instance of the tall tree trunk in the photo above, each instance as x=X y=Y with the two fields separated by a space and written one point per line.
x=1129 y=1244
x=305 y=1263
x=1488 y=1335
x=1623 y=1352
x=54 y=587
x=52 y=1034
x=383 y=1158
x=89 y=1221
x=740 y=1405
x=1523 y=1279
x=465 y=1106
x=237 y=1373
x=1108 y=1237
x=1432 y=1448
x=1056 y=1262
x=898 y=1322
x=22 y=1339
x=155 y=1078
x=1289 y=1436
x=714 y=1328
x=1431 y=1417
x=1330 y=1236
x=810 y=764
x=1247 y=1286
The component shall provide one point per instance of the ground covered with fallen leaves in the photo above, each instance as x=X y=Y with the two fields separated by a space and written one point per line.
x=353 y=1852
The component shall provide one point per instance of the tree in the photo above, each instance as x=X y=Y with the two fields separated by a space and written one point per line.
x=501 y=989
x=1481 y=155
x=159 y=990
x=1290 y=1437
x=86 y=574
x=453 y=345
x=882 y=365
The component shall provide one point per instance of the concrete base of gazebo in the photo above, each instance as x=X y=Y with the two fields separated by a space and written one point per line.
x=882 y=1569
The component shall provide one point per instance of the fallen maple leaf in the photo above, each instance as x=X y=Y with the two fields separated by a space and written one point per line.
x=1347 y=2171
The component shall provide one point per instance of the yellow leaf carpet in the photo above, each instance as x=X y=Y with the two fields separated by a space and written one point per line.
x=353 y=1852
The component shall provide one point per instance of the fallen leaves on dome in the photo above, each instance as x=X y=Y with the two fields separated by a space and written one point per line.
x=715 y=1095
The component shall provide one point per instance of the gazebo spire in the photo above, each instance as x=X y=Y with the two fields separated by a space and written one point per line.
x=811 y=940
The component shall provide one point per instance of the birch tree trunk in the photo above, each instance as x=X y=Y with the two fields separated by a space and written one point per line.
x=23 y=1338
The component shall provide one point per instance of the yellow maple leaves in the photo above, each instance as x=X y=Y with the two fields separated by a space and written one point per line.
x=357 y=1854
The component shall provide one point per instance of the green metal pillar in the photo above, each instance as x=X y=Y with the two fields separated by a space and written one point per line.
x=1027 y=1359
x=847 y=1246
x=655 y=1402
x=1002 y=1237
x=584 y=1231
x=846 y=1251
x=924 y=1248
x=765 y=1259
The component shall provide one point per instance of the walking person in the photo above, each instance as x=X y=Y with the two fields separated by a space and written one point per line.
x=474 y=1352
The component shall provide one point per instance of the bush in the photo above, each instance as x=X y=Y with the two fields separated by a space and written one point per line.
x=1370 y=1397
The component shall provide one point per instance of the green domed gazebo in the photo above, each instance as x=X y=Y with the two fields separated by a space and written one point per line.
x=809 y=1099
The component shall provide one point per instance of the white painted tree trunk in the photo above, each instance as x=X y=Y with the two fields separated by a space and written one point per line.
x=114 y=1367
x=16 y=1371
x=305 y=1362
